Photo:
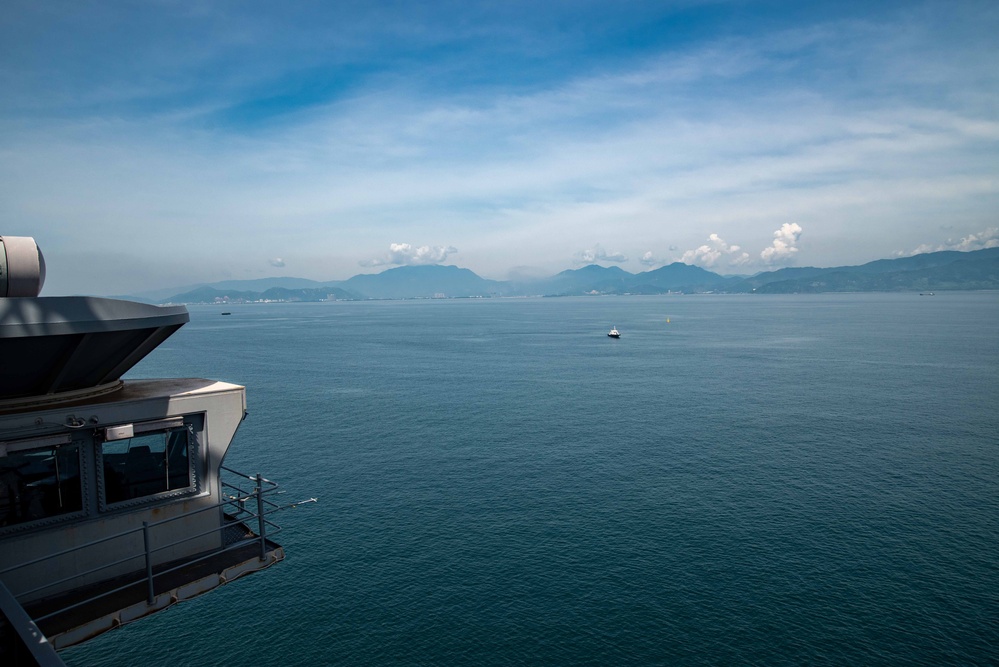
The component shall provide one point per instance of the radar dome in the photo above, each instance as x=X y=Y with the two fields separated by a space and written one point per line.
x=22 y=266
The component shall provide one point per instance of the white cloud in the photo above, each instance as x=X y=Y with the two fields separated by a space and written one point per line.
x=847 y=128
x=987 y=238
x=598 y=254
x=922 y=248
x=709 y=254
x=649 y=259
x=784 y=246
x=404 y=254
x=277 y=261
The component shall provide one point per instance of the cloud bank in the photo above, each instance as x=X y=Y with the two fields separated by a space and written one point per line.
x=715 y=250
x=403 y=254
x=987 y=238
x=329 y=132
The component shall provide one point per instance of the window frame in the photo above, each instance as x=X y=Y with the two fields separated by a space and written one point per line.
x=165 y=427
x=52 y=443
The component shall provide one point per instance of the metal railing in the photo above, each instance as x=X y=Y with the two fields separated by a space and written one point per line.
x=235 y=511
x=24 y=636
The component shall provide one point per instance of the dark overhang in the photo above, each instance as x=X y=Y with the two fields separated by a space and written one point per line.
x=50 y=345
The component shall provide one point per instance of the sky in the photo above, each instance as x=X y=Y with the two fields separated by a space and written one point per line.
x=163 y=143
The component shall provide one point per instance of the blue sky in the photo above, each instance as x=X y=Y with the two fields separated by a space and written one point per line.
x=151 y=144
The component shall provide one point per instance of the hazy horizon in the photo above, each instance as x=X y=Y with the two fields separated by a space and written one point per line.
x=175 y=144
x=160 y=292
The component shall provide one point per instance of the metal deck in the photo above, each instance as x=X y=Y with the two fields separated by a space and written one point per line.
x=77 y=616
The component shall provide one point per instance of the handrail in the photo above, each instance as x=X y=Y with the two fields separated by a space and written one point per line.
x=239 y=513
x=123 y=533
x=139 y=555
x=27 y=631
x=138 y=581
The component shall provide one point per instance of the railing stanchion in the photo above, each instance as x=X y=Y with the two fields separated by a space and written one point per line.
x=260 y=517
x=150 y=595
x=241 y=519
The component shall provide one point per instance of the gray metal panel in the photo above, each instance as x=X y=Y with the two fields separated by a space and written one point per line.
x=54 y=344
x=59 y=315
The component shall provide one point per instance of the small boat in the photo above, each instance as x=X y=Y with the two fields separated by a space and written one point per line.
x=926 y=294
x=227 y=313
x=614 y=333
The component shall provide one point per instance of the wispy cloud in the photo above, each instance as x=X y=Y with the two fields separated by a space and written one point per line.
x=648 y=258
x=598 y=254
x=328 y=139
x=987 y=238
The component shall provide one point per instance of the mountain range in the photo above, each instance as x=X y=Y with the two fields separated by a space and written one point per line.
x=945 y=270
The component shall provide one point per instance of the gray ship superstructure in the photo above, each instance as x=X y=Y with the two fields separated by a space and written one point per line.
x=114 y=502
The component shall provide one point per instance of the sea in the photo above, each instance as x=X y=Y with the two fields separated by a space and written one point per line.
x=737 y=480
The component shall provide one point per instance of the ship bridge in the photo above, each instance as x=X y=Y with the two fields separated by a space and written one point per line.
x=114 y=501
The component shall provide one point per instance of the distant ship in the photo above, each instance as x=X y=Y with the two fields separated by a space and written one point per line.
x=614 y=333
x=114 y=503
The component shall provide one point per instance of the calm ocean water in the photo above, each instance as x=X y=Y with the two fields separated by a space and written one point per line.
x=761 y=480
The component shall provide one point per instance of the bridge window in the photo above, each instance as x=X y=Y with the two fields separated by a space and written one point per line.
x=39 y=483
x=147 y=465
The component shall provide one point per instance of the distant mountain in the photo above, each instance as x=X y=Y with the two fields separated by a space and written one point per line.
x=213 y=295
x=678 y=277
x=947 y=270
x=254 y=285
x=589 y=279
x=929 y=260
x=594 y=279
x=262 y=284
x=787 y=274
x=158 y=295
x=322 y=293
x=411 y=282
